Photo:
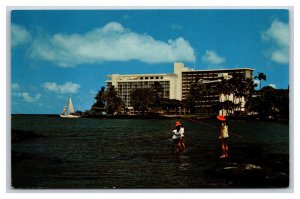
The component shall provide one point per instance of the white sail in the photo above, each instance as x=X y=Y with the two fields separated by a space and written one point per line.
x=71 y=108
x=68 y=111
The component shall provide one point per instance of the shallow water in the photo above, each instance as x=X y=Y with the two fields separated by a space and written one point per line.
x=137 y=153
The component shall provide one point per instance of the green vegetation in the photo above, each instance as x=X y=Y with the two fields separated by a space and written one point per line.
x=106 y=101
x=266 y=103
x=142 y=99
x=270 y=103
x=239 y=88
x=202 y=98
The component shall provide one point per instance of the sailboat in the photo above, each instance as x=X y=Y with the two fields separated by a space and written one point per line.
x=68 y=111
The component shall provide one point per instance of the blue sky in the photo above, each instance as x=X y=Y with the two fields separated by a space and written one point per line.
x=57 y=53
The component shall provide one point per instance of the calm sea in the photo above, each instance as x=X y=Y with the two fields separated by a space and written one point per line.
x=89 y=153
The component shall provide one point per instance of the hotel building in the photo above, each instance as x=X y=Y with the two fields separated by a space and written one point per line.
x=177 y=85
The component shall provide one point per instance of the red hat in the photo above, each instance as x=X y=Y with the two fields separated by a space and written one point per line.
x=221 y=118
x=177 y=124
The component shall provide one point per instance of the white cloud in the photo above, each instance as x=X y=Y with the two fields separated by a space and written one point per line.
x=273 y=85
x=111 y=42
x=19 y=35
x=278 y=35
x=15 y=86
x=278 y=32
x=212 y=58
x=27 y=97
x=280 y=56
x=68 y=87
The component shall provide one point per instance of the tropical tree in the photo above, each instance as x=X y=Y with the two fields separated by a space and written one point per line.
x=260 y=77
x=237 y=87
x=267 y=102
x=157 y=91
x=113 y=102
x=282 y=102
x=191 y=98
x=100 y=101
x=141 y=99
x=271 y=102
x=241 y=88
x=196 y=96
x=171 y=104
x=224 y=88
x=249 y=92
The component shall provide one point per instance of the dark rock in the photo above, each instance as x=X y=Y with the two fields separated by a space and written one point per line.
x=19 y=135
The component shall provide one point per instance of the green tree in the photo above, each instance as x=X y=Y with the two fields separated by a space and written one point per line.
x=196 y=95
x=265 y=102
x=249 y=92
x=113 y=102
x=270 y=102
x=241 y=88
x=225 y=88
x=141 y=99
x=99 y=105
x=282 y=102
x=170 y=105
x=157 y=91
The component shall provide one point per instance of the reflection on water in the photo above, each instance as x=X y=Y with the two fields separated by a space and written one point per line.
x=130 y=153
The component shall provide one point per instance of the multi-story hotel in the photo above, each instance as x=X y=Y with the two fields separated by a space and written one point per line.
x=125 y=84
x=177 y=85
x=212 y=77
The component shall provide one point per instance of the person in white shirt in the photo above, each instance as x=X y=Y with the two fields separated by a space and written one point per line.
x=178 y=136
x=223 y=135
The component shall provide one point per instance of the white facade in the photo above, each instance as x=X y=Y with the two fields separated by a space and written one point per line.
x=177 y=85
x=178 y=69
x=125 y=84
x=171 y=83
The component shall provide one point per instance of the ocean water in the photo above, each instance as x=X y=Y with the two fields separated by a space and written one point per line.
x=90 y=153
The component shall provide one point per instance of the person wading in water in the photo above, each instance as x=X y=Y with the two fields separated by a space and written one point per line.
x=223 y=136
x=178 y=136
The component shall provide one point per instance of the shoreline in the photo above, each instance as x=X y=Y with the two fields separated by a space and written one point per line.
x=159 y=116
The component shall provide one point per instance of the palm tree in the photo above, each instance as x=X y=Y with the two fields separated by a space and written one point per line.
x=260 y=76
